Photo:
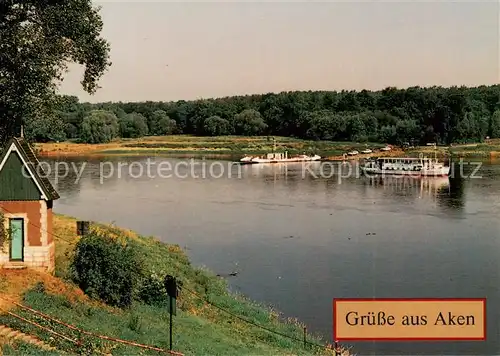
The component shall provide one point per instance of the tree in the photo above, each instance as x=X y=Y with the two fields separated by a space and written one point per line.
x=160 y=124
x=407 y=130
x=495 y=124
x=249 y=122
x=387 y=134
x=43 y=128
x=356 y=128
x=99 y=126
x=216 y=126
x=321 y=125
x=393 y=115
x=133 y=125
x=166 y=126
x=37 y=40
x=326 y=125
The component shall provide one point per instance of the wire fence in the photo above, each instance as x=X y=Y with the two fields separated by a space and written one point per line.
x=77 y=329
x=335 y=348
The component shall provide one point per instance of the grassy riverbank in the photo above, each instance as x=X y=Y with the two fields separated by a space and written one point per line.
x=234 y=147
x=199 y=328
x=195 y=146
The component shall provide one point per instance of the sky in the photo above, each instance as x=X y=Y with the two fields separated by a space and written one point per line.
x=166 y=50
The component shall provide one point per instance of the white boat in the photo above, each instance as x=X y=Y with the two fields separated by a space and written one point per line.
x=406 y=166
x=278 y=158
x=366 y=151
x=386 y=148
x=352 y=153
x=246 y=159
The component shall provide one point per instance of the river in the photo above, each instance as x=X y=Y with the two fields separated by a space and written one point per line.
x=299 y=236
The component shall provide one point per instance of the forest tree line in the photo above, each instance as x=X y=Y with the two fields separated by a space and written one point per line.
x=420 y=115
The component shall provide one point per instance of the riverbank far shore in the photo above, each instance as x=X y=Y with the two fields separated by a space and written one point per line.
x=236 y=326
x=230 y=146
x=234 y=147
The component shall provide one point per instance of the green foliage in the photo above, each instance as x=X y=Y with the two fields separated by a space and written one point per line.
x=99 y=126
x=133 y=125
x=216 y=126
x=249 y=122
x=106 y=269
x=495 y=124
x=391 y=115
x=152 y=289
x=406 y=131
x=38 y=39
x=4 y=233
x=160 y=124
x=134 y=323
x=435 y=114
x=48 y=127
x=21 y=348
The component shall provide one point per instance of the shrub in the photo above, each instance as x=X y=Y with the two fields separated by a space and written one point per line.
x=152 y=290
x=134 y=323
x=106 y=268
x=5 y=233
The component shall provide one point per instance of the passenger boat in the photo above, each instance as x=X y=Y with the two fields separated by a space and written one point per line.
x=420 y=166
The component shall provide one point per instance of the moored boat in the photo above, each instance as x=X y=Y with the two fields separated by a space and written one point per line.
x=420 y=166
x=278 y=158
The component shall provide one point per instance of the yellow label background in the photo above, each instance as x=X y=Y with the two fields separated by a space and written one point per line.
x=416 y=308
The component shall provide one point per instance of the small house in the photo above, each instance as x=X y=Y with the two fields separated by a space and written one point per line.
x=26 y=199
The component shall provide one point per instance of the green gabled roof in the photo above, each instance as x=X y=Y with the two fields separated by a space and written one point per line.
x=32 y=164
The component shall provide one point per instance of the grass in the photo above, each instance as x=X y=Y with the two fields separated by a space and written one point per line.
x=21 y=348
x=194 y=145
x=234 y=147
x=199 y=329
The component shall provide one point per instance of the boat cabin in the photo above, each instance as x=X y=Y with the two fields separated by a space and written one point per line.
x=277 y=156
x=402 y=163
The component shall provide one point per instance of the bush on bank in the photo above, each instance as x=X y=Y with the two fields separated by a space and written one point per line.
x=114 y=271
x=106 y=269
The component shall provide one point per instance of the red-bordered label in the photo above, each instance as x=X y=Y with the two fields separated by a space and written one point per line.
x=409 y=319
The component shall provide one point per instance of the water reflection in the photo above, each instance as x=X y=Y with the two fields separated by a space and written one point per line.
x=429 y=186
x=331 y=177
x=447 y=192
x=455 y=196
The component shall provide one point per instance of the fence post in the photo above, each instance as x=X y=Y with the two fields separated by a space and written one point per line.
x=305 y=334
x=337 y=348
x=171 y=288
x=171 y=308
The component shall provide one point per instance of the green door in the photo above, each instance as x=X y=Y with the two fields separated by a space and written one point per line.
x=16 y=239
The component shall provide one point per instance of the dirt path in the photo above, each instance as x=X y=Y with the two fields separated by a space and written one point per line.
x=8 y=335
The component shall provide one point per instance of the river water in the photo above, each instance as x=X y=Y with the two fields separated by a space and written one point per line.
x=300 y=235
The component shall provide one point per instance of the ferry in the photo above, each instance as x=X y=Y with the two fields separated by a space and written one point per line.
x=420 y=166
x=278 y=158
